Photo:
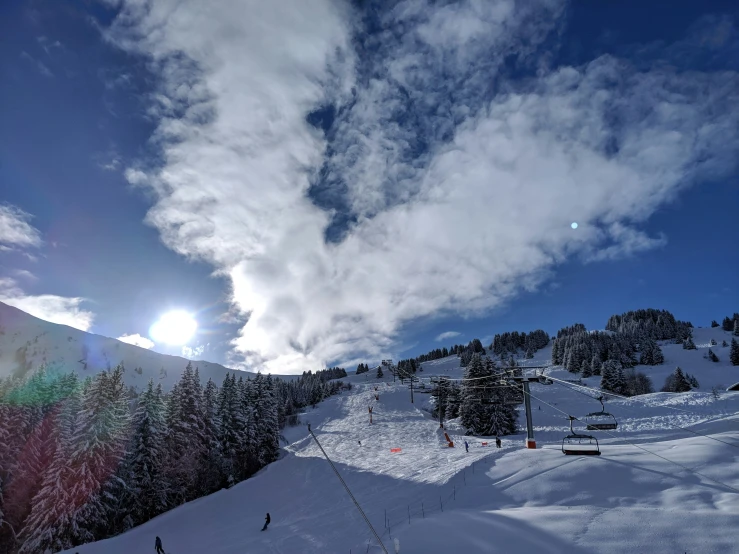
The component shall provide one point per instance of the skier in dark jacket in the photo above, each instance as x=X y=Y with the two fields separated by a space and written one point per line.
x=266 y=521
x=158 y=546
x=497 y=442
x=466 y=446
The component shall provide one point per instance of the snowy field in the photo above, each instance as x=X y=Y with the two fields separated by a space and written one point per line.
x=656 y=488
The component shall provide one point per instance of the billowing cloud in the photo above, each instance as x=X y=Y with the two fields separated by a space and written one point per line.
x=49 y=307
x=461 y=184
x=193 y=353
x=16 y=230
x=447 y=335
x=137 y=340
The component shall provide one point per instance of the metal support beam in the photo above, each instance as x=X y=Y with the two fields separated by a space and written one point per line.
x=530 y=442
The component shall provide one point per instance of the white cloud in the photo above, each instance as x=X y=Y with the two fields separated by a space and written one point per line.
x=49 y=307
x=15 y=229
x=25 y=274
x=482 y=213
x=137 y=340
x=193 y=353
x=447 y=335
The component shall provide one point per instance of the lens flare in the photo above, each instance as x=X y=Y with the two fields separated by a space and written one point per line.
x=574 y=225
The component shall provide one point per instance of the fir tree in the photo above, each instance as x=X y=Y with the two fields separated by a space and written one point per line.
x=147 y=483
x=727 y=324
x=48 y=526
x=379 y=372
x=585 y=369
x=689 y=344
x=99 y=445
x=613 y=379
x=734 y=352
x=736 y=327
x=595 y=365
x=681 y=383
x=724 y=344
x=211 y=467
x=712 y=355
x=268 y=431
x=714 y=323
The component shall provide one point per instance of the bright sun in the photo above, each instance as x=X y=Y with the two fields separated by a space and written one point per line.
x=175 y=328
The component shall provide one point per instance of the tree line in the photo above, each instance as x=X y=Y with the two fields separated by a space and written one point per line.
x=83 y=460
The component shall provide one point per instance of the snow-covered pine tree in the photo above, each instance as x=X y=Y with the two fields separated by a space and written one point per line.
x=595 y=365
x=724 y=344
x=228 y=437
x=681 y=383
x=585 y=369
x=692 y=381
x=613 y=379
x=268 y=430
x=380 y=375
x=689 y=344
x=99 y=445
x=247 y=422
x=211 y=472
x=185 y=442
x=48 y=526
x=147 y=485
x=714 y=323
x=712 y=355
x=736 y=327
x=33 y=460
x=734 y=352
x=727 y=324
x=476 y=394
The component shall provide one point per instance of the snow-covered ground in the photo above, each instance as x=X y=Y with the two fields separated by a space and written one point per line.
x=656 y=488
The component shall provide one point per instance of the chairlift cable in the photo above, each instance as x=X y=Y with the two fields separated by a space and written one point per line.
x=566 y=385
x=649 y=451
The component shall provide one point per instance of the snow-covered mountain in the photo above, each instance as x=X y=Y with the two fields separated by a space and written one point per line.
x=667 y=480
x=26 y=342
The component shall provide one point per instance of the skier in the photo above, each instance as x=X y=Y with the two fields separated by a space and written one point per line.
x=158 y=546
x=266 y=521
x=497 y=442
x=360 y=443
x=466 y=446
x=370 y=413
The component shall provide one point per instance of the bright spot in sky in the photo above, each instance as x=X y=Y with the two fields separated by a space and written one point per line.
x=175 y=328
x=574 y=225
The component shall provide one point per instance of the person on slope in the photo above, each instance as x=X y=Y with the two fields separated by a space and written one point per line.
x=497 y=442
x=266 y=521
x=466 y=446
x=158 y=546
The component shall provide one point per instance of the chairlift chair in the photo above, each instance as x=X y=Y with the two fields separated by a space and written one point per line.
x=577 y=444
x=600 y=421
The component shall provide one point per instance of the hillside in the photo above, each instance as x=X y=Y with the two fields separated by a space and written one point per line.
x=26 y=342
x=656 y=487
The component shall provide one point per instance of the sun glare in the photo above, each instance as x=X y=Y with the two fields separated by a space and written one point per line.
x=174 y=328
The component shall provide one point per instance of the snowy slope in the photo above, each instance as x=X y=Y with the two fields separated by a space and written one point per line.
x=633 y=498
x=26 y=342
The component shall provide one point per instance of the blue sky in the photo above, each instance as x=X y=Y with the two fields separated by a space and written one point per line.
x=347 y=181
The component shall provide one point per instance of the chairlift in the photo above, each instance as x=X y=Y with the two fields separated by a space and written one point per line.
x=602 y=420
x=577 y=444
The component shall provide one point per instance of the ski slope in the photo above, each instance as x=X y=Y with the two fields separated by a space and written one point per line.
x=640 y=495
